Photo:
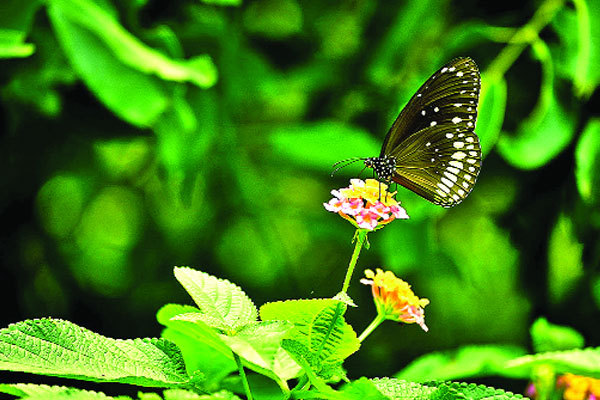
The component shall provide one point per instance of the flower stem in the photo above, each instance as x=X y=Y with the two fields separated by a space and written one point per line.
x=374 y=324
x=360 y=237
x=238 y=361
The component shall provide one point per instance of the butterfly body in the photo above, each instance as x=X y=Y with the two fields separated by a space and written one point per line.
x=431 y=148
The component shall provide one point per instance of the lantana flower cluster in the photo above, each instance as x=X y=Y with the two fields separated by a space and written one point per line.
x=394 y=298
x=366 y=204
x=579 y=387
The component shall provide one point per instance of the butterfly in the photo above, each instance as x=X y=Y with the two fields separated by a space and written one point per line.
x=431 y=148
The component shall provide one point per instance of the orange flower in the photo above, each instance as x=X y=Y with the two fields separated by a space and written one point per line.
x=579 y=387
x=395 y=299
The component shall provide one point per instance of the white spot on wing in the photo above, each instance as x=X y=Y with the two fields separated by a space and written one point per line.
x=443 y=187
x=458 y=155
x=454 y=170
x=459 y=74
x=447 y=182
x=433 y=123
x=449 y=135
x=456 y=164
x=456 y=120
x=436 y=109
x=450 y=176
x=458 y=145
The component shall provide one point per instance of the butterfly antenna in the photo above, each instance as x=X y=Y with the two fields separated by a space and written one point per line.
x=344 y=163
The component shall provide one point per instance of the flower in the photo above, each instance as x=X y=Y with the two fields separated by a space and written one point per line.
x=579 y=387
x=394 y=298
x=366 y=204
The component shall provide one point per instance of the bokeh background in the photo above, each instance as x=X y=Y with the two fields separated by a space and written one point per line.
x=139 y=135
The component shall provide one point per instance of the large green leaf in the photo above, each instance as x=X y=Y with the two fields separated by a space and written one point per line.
x=400 y=390
x=319 y=145
x=260 y=345
x=581 y=362
x=60 y=348
x=134 y=96
x=130 y=50
x=321 y=335
x=45 y=392
x=587 y=163
x=465 y=362
x=550 y=337
x=202 y=348
x=224 y=305
x=547 y=130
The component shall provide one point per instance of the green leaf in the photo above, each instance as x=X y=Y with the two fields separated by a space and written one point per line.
x=60 y=348
x=465 y=362
x=319 y=145
x=45 y=392
x=134 y=96
x=362 y=389
x=547 y=130
x=492 y=106
x=260 y=345
x=224 y=305
x=549 y=337
x=399 y=389
x=565 y=262
x=587 y=162
x=580 y=362
x=578 y=54
x=131 y=51
x=223 y=2
x=12 y=46
x=321 y=335
x=202 y=348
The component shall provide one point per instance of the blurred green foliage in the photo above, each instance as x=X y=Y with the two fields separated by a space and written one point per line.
x=138 y=135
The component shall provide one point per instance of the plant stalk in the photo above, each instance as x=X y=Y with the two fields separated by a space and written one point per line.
x=359 y=240
x=238 y=361
x=374 y=324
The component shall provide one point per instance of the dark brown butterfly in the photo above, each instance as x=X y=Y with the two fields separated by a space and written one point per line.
x=432 y=148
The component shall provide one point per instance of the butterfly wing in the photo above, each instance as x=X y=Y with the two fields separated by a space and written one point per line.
x=438 y=156
x=439 y=165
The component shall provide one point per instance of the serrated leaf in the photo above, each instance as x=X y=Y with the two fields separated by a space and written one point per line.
x=587 y=163
x=320 y=145
x=201 y=346
x=60 y=348
x=580 y=362
x=321 y=335
x=467 y=361
x=362 y=389
x=260 y=345
x=46 y=392
x=399 y=389
x=224 y=304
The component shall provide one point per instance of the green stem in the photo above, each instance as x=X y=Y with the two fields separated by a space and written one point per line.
x=523 y=38
x=360 y=238
x=238 y=361
x=374 y=324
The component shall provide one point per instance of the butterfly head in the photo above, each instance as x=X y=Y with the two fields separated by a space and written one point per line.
x=384 y=167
